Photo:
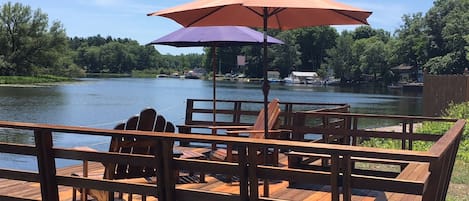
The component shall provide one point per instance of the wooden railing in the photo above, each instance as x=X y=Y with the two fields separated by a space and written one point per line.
x=241 y=112
x=246 y=168
x=343 y=128
x=346 y=126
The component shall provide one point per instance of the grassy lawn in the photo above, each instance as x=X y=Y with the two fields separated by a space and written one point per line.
x=458 y=188
x=42 y=79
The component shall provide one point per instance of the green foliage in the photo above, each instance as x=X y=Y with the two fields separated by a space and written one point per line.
x=454 y=111
x=27 y=42
x=437 y=40
x=412 y=42
x=122 y=56
x=32 y=80
x=287 y=56
x=448 y=24
x=341 y=59
x=313 y=43
x=151 y=73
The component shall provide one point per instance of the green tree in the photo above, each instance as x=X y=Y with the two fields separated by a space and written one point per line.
x=372 y=58
x=313 y=43
x=26 y=42
x=413 y=42
x=287 y=56
x=340 y=58
x=448 y=23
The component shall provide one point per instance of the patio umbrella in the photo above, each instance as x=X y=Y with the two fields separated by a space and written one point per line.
x=214 y=36
x=279 y=14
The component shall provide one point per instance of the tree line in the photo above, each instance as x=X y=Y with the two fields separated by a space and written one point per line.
x=436 y=41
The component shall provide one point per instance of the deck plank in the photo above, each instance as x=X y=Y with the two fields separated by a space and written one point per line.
x=278 y=189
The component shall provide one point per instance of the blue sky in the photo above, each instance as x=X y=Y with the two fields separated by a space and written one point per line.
x=127 y=18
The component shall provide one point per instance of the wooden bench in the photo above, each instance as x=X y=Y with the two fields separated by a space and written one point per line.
x=243 y=113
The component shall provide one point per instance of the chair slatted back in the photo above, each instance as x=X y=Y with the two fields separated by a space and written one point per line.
x=147 y=120
x=273 y=110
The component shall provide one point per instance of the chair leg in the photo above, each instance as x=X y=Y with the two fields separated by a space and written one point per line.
x=202 y=177
x=84 y=193
x=74 y=194
x=130 y=197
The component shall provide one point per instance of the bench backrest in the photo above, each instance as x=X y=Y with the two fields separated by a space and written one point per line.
x=236 y=112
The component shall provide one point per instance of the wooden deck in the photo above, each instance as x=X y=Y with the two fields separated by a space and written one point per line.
x=422 y=175
x=217 y=183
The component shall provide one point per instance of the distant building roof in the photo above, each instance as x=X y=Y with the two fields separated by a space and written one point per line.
x=304 y=74
x=402 y=67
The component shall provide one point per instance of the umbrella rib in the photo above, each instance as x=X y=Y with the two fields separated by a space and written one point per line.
x=352 y=17
x=204 y=16
x=276 y=11
x=254 y=11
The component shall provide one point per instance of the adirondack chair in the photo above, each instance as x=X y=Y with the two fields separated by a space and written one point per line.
x=148 y=120
x=255 y=131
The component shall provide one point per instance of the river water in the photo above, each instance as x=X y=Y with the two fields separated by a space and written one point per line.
x=102 y=103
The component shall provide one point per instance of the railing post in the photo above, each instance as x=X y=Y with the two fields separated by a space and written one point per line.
x=253 y=180
x=237 y=112
x=243 y=173
x=168 y=170
x=160 y=174
x=430 y=193
x=404 y=133
x=347 y=174
x=411 y=132
x=335 y=177
x=452 y=152
x=299 y=120
x=354 y=128
x=46 y=165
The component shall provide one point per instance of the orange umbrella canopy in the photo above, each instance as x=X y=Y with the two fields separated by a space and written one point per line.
x=277 y=14
x=282 y=14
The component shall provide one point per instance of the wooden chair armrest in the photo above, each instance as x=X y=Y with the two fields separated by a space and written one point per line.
x=193 y=126
x=253 y=131
x=229 y=127
x=84 y=148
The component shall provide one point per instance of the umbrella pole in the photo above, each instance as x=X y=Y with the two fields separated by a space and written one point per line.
x=265 y=85
x=214 y=85
x=265 y=90
x=214 y=65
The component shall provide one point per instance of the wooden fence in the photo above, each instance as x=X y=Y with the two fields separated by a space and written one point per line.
x=440 y=90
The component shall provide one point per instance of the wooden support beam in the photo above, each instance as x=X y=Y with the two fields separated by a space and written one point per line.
x=243 y=173
x=335 y=177
x=46 y=165
x=252 y=172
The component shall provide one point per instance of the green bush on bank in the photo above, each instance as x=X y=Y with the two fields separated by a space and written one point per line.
x=33 y=79
x=454 y=111
x=152 y=72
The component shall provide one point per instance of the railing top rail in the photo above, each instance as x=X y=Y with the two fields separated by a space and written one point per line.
x=281 y=102
x=300 y=146
x=414 y=118
x=452 y=135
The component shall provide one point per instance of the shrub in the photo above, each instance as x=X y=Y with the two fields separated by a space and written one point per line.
x=454 y=111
